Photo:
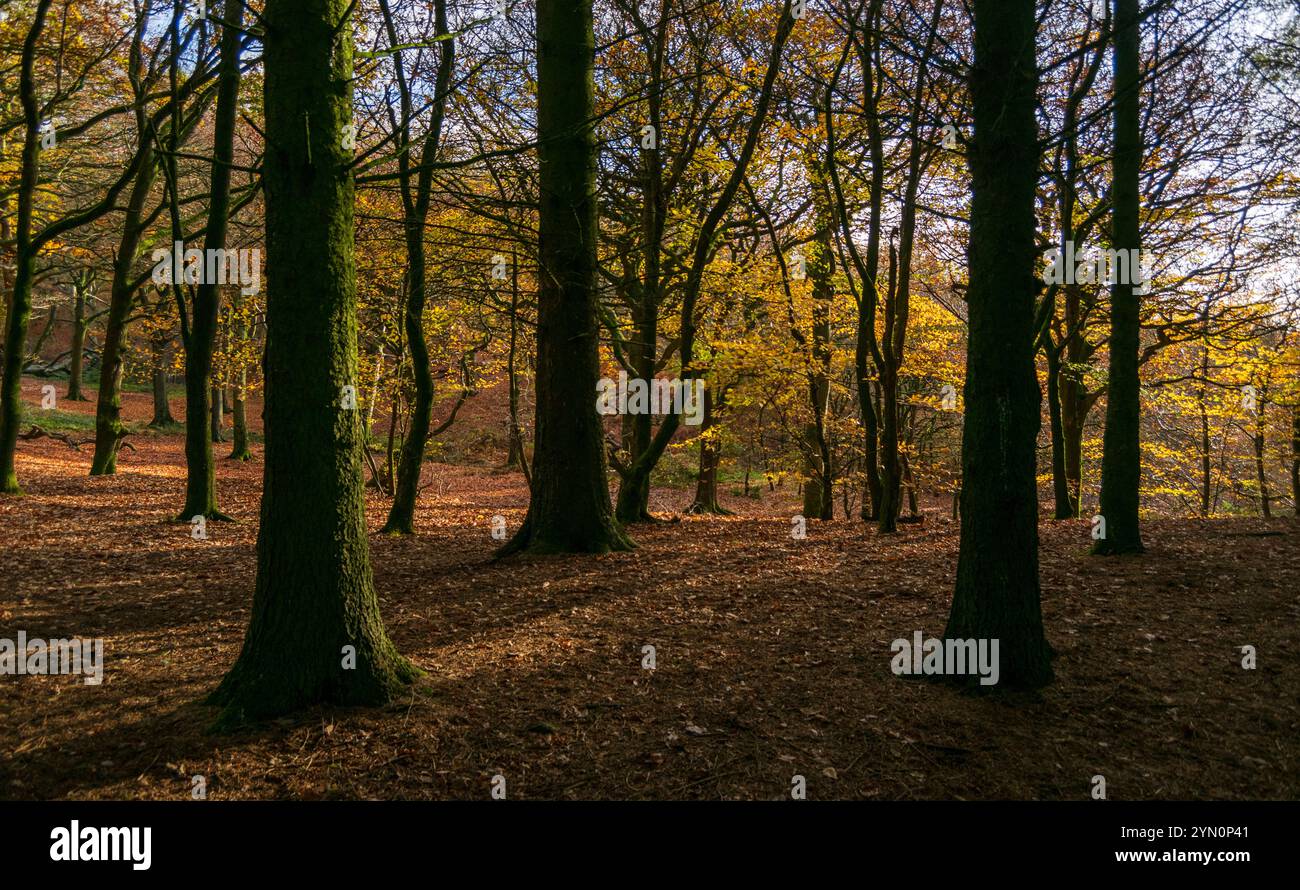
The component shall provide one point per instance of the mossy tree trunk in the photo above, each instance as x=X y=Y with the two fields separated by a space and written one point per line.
x=997 y=591
x=316 y=634
x=239 y=417
x=20 y=302
x=569 y=509
x=1121 y=462
x=1258 y=443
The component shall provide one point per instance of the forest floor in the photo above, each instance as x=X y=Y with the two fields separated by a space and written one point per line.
x=772 y=655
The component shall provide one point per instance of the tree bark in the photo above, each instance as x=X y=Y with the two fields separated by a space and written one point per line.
x=1121 y=464
x=819 y=492
x=706 y=482
x=79 y=325
x=515 y=458
x=1261 y=476
x=316 y=634
x=217 y=414
x=162 y=411
x=1295 y=458
x=997 y=591
x=20 y=303
x=401 y=515
x=109 y=430
x=866 y=349
x=1060 y=483
x=569 y=509
x=200 y=470
x=633 y=501
x=239 y=417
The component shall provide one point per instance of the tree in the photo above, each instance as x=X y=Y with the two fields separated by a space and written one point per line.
x=1121 y=463
x=1295 y=459
x=997 y=590
x=83 y=287
x=28 y=243
x=20 y=302
x=415 y=212
x=569 y=509
x=316 y=634
x=199 y=332
x=109 y=430
x=634 y=490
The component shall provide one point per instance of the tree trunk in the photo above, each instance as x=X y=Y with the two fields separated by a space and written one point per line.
x=867 y=267
x=1295 y=458
x=239 y=385
x=1207 y=458
x=872 y=494
x=1258 y=442
x=898 y=301
x=569 y=509
x=239 y=411
x=216 y=413
x=162 y=412
x=997 y=589
x=1060 y=484
x=109 y=430
x=909 y=481
x=200 y=470
x=515 y=458
x=633 y=502
x=1121 y=464
x=891 y=474
x=316 y=634
x=1073 y=414
x=818 y=493
x=706 y=483
x=1067 y=406
x=20 y=304
x=79 y=325
x=401 y=515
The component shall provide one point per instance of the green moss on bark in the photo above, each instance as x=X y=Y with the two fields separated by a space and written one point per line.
x=314 y=594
